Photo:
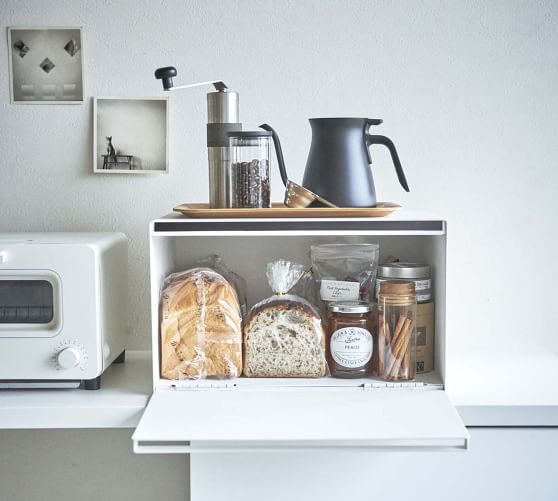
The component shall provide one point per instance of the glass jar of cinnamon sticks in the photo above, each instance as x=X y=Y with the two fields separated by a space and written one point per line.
x=397 y=309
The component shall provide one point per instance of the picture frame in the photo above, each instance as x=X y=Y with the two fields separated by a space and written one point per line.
x=46 y=64
x=138 y=128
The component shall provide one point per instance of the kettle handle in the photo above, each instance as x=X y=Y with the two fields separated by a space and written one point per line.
x=388 y=143
x=278 y=152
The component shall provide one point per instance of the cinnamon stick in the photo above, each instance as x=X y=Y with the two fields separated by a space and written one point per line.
x=387 y=344
x=406 y=365
x=398 y=329
x=391 y=344
x=381 y=345
x=404 y=373
x=400 y=354
x=396 y=345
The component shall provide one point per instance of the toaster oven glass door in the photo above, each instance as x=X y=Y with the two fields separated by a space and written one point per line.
x=29 y=305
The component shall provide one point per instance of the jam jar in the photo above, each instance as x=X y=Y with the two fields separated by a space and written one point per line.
x=349 y=339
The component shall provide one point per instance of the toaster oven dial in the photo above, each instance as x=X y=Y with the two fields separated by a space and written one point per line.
x=68 y=357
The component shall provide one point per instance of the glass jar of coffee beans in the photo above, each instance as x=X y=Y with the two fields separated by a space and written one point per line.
x=249 y=182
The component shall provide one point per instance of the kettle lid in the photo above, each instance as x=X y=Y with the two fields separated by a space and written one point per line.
x=367 y=121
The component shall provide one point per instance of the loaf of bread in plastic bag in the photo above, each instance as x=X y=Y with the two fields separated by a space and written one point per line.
x=284 y=337
x=201 y=333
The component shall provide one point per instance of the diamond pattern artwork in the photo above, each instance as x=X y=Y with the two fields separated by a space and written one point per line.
x=72 y=47
x=21 y=48
x=47 y=65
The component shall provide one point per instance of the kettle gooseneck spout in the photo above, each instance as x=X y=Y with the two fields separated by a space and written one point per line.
x=278 y=152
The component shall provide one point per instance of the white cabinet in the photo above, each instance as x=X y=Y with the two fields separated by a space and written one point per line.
x=512 y=464
x=296 y=414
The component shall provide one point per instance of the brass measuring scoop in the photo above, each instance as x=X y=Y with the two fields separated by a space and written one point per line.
x=296 y=196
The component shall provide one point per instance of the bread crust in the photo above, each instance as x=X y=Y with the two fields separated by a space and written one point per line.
x=283 y=303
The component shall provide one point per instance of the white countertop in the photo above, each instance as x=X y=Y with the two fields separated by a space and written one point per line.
x=125 y=390
x=512 y=390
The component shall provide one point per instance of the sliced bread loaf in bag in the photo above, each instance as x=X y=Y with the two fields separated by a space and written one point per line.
x=201 y=334
x=283 y=335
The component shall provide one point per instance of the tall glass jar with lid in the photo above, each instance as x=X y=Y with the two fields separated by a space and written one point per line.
x=397 y=310
x=249 y=179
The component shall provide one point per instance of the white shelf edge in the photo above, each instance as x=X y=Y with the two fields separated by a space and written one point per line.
x=431 y=379
x=128 y=387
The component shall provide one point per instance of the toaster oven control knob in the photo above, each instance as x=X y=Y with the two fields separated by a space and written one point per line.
x=68 y=358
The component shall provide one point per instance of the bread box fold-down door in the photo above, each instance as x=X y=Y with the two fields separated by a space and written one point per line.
x=275 y=419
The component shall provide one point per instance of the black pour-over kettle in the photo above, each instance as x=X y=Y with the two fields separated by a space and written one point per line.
x=338 y=165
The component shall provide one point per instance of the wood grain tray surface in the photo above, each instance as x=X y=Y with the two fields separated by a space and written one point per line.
x=278 y=210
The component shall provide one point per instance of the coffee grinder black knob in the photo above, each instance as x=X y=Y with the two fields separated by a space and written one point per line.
x=165 y=74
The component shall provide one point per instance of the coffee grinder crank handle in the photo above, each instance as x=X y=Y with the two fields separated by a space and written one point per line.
x=167 y=73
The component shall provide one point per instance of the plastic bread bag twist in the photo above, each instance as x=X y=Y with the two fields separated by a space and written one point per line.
x=284 y=334
x=200 y=326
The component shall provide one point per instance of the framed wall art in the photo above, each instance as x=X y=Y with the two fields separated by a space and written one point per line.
x=46 y=65
x=130 y=135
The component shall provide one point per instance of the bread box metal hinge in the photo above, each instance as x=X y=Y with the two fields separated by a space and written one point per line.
x=412 y=385
x=203 y=385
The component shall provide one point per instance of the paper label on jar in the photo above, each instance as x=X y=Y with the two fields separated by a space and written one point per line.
x=421 y=285
x=351 y=347
x=337 y=290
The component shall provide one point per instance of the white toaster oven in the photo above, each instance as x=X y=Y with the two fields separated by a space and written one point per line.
x=63 y=308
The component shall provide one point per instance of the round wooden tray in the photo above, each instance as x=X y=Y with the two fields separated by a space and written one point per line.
x=278 y=210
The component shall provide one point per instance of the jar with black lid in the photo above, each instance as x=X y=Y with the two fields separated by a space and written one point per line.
x=350 y=342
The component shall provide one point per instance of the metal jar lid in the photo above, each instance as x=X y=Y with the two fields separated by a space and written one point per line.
x=409 y=271
x=349 y=307
x=392 y=288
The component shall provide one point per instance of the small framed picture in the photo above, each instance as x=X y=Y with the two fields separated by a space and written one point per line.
x=46 y=65
x=130 y=135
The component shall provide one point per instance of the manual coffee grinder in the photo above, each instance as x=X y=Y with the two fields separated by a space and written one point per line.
x=222 y=118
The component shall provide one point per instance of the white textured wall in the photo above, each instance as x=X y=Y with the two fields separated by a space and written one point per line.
x=468 y=91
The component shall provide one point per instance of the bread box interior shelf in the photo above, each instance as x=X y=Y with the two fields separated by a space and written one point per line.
x=247 y=414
